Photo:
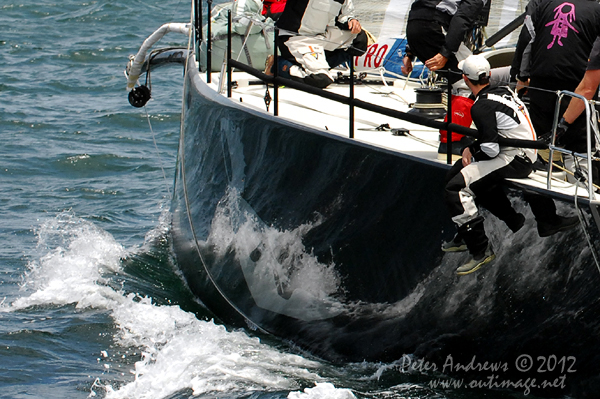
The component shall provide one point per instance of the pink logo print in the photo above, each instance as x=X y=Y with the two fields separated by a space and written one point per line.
x=562 y=23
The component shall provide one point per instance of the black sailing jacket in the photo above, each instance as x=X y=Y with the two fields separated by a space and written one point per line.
x=556 y=39
x=456 y=16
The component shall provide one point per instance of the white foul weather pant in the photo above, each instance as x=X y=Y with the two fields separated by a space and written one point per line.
x=309 y=51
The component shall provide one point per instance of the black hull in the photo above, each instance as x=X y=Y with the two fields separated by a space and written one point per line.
x=343 y=240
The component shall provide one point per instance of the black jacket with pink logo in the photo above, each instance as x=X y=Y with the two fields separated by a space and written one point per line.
x=556 y=39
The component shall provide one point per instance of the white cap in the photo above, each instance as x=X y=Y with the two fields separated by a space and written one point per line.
x=474 y=66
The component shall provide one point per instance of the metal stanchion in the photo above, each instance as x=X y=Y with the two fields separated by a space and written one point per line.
x=449 y=119
x=209 y=44
x=275 y=73
x=229 y=53
x=351 y=116
x=198 y=29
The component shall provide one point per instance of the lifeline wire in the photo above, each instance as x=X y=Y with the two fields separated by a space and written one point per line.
x=157 y=151
x=186 y=199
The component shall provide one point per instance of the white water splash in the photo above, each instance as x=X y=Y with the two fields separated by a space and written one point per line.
x=181 y=352
x=75 y=257
x=323 y=390
x=281 y=274
x=161 y=230
x=176 y=351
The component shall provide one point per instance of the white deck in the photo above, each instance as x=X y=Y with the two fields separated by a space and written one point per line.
x=332 y=117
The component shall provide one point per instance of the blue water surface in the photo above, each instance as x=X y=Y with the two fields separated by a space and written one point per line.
x=91 y=301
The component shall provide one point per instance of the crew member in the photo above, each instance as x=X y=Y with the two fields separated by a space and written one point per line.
x=311 y=32
x=496 y=112
x=552 y=52
x=551 y=55
x=427 y=21
x=588 y=88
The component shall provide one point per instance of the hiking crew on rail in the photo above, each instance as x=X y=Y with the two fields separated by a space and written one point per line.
x=485 y=164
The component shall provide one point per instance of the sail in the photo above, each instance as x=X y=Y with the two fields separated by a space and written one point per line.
x=387 y=18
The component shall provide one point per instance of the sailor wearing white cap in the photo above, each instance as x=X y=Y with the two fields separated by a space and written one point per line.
x=497 y=111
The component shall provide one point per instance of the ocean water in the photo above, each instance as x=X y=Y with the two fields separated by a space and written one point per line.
x=91 y=304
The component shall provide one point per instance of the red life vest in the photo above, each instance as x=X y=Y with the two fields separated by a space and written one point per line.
x=271 y=7
x=461 y=115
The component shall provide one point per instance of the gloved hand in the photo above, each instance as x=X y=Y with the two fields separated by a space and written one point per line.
x=561 y=130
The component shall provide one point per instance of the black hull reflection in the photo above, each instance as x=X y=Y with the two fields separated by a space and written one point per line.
x=335 y=246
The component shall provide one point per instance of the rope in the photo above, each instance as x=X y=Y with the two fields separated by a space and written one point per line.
x=423 y=141
x=558 y=166
x=244 y=48
x=428 y=106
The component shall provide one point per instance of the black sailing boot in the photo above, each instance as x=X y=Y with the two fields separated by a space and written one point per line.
x=481 y=251
x=548 y=221
x=457 y=244
x=556 y=224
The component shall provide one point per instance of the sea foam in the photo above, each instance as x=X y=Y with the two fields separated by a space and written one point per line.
x=78 y=263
